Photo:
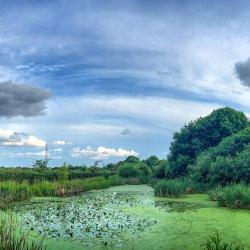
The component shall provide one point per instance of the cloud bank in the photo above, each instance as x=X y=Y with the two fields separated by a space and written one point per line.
x=21 y=100
x=12 y=138
x=102 y=152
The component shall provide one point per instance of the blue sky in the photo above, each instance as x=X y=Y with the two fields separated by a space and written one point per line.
x=106 y=79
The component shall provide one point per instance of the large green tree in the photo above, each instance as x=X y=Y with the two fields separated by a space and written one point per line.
x=202 y=134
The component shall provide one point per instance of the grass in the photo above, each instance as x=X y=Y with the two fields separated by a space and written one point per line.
x=13 y=239
x=232 y=196
x=173 y=188
x=215 y=242
x=12 y=191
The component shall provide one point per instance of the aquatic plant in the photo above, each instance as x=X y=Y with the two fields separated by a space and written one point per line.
x=173 y=188
x=95 y=216
x=13 y=239
x=232 y=196
x=11 y=192
x=215 y=242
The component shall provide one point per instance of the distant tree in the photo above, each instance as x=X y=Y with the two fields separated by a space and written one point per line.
x=129 y=170
x=41 y=164
x=202 y=134
x=132 y=159
x=152 y=161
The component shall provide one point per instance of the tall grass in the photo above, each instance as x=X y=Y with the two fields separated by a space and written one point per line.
x=232 y=196
x=13 y=239
x=215 y=242
x=173 y=188
x=14 y=191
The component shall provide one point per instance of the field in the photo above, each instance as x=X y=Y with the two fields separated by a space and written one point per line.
x=130 y=217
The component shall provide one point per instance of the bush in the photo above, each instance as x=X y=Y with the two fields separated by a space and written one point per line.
x=232 y=196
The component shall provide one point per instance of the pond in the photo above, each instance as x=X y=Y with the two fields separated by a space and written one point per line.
x=129 y=217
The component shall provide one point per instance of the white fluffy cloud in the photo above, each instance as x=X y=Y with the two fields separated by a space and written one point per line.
x=102 y=152
x=13 y=138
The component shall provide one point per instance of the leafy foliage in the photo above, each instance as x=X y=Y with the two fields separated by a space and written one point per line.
x=202 y=134
x=229 y=162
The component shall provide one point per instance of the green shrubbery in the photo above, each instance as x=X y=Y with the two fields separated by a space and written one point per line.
x=232 y=196
x=229 y=162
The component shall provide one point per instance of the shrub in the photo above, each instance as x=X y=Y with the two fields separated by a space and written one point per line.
x=232 y=196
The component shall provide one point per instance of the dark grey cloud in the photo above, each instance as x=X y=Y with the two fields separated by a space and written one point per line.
x=126 y=131
x=242 y=70
x=22 y=100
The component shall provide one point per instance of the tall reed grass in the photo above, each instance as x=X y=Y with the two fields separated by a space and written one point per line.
x=173 y=188
x=12 y=191
x=232 y=196
x=215 y=242
x=13 y=239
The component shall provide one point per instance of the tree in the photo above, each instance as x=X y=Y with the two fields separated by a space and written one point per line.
x=202 y=134
x=41 y=164
x=228 y=162
x=132 y=159
x=152 y=161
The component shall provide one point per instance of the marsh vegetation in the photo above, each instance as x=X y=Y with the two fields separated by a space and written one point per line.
x=164 y=204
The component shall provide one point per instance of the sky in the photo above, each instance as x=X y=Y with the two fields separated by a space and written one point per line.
x=102 y=80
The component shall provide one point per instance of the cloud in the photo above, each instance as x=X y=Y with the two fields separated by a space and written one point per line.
x=102 y=152
x=242 y=70
x=126 y=131
x=32 y=154
x=12 y=138
x=21 y=100
x=59 y=142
